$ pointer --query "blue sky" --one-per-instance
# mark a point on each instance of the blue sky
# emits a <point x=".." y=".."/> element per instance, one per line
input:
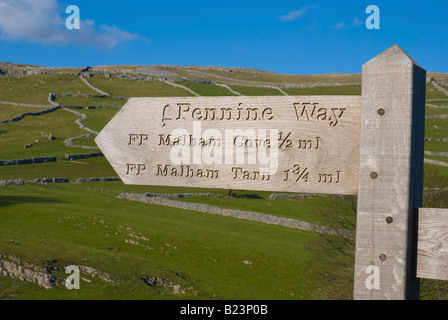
<point x="292" y="37"/>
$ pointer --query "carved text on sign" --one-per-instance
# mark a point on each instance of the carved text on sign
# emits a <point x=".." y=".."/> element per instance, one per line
<point x="186" y="111"/>
<point x="278" y="143"/>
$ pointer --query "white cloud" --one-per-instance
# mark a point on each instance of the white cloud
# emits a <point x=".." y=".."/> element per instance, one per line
<point x="357" y="22"/>
<point x="295" y="15"/>
<point x="41" y="21"/>
<point x="343" y="25"/>
<point x="339" y="25"/>
<point x="105" y="37"/>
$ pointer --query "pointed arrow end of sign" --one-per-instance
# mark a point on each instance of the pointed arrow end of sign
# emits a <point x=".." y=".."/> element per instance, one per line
<point x="112" y="140"/>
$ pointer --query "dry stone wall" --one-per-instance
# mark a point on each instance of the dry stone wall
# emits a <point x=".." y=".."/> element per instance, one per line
<point x="240" y="214"/>
<point x="23" y="115"/>
<point x="27" y="161"/>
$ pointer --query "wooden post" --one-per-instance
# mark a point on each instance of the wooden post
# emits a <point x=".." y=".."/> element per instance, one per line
<point x="390" y="177"/>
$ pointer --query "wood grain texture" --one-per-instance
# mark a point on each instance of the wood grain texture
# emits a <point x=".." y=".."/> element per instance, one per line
<point x="316" y="139"/>
<point x="390" y="175"/>
<point x="432" y="252"/>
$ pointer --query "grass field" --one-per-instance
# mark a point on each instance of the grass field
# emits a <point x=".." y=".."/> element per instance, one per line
<point x="8" y="112"/>
<point x="236" y="76"/>
<point x="443" y="107"/>
<point x="207" y="256"/>
<point x="436" y="128"/>
<point x="256" y="91"/>
<point x="211" y="257"/>
<point x="134" y="88"/>
<point x="325" y="90"/>
<point x="89" y="101"/>
<point x="435" y="146"/>
<point x="35" y="89"/>
<point x="433" y="93"/>
<point x="61" y="124"/>
<point x="205" y="89"/>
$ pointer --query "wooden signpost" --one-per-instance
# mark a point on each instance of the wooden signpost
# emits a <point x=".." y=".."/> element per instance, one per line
<point x="390" y="176"/>
<point x="369" y="145"/>
<point x="288" y="144"/>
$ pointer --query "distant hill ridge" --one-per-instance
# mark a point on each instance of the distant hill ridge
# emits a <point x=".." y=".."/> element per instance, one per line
<point x="204" y="74"/>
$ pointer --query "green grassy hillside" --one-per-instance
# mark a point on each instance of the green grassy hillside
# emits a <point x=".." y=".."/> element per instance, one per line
<point x="197" y="255"/>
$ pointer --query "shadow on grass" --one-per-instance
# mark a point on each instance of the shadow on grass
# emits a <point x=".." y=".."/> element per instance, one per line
<point x="14" y="200"/>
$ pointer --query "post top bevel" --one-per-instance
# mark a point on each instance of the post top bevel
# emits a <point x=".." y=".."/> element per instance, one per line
<point x="395" y="55"/>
